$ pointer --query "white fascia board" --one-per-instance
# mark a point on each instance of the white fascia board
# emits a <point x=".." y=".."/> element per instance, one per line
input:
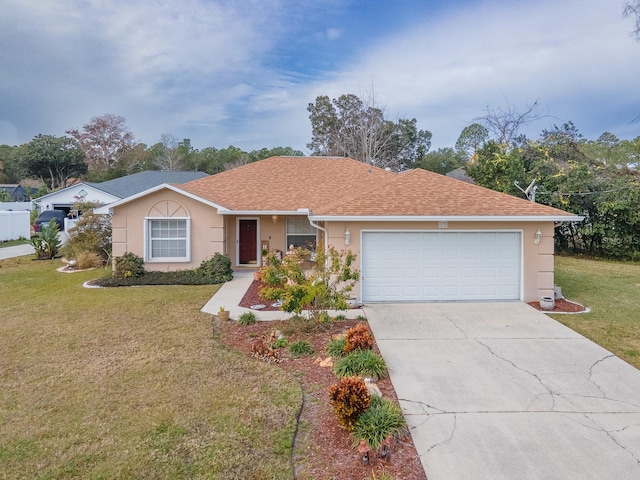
<point x="262" y="212"/>
<point x="447" y="218"/>
<point x="109" y="208"/>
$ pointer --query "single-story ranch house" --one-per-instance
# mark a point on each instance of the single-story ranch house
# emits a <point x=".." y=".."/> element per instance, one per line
<point x="418" y="235"/>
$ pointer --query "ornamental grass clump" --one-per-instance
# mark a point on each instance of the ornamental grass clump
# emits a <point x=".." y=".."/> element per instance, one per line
<point x="365" y="363"/>
<point x="247" y="318"/>
<point x="381" y="420"/>
<point x="336" y="348"/>
<point x="301" y="349"/>
<point x="349" y="398"/>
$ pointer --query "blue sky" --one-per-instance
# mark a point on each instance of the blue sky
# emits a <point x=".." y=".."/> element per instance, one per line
<point x="225" y="72"/>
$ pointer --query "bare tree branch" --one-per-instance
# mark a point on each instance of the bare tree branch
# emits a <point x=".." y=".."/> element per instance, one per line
<point x="505" y="124"/>
<point x="632" y="9"/>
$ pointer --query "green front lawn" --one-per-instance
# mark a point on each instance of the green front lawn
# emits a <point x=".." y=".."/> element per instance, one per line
<point x="612" y="291"/>
<point x="130" y="383"/>
<point x="13" y="243"/>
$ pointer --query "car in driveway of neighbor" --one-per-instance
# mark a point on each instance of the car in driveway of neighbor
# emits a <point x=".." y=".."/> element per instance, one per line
<point x="45" y="217"/>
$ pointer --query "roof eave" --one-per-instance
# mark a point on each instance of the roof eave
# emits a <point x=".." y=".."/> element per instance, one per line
<point x="300" y="211"/>
<point x="448" y="218"/>
<point x="109" y="208"/>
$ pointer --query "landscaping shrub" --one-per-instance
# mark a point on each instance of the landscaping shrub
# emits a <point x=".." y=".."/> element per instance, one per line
<point x="300" y="349"/>
<point x="128" y="265"/>
<point x="349" y="398"/>
<point x="247" y="318"/>
<point x="264" y="348"/>
<point x="47" y="244"/>
<point x="216" y="269"/>
<point x="358" y="338"/>
<point x="281" y="342"/>
<point x="382" y="419"/>
<point x="86" y="260"/>
<point x="336" y="348"/>
<point x="366" y="363"/>
<point x="326" y="286"/>
<point x="92" y="233"/>
<point x="129" y="270"/>
<point x="178" y="277"/>
<point x="297" y="325"/>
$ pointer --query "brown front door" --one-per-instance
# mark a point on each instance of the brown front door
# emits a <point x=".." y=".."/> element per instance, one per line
<point x="248" y="242"/>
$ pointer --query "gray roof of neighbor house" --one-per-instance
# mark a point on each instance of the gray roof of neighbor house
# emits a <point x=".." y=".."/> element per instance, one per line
<point x="124" y="187"/>
<point x="460" y="173"/>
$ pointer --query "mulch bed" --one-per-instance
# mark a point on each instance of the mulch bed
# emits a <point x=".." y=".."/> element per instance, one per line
<point x="562" y="305"/>
<point x="252" y="298"/>
<point x="325" y="450"/>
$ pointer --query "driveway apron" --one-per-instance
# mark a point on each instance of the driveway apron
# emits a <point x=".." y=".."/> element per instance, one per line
<point x="501" y="391"/>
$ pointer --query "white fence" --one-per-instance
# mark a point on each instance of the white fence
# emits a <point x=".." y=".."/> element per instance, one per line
<point x="17" y="206"/>
<point x="15" y="225"/>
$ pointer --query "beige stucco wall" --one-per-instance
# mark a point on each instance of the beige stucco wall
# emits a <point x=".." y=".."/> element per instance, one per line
<point x="207" y="227"/>
<point x="537" y="260"/>
<point x="211" y="233"/>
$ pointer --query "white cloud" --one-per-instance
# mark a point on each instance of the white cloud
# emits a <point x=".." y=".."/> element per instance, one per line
<point x="223" y="72"/>
<point x="446" y="70"/>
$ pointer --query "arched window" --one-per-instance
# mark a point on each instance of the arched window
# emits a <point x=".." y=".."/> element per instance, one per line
<point x="168" y="233"/>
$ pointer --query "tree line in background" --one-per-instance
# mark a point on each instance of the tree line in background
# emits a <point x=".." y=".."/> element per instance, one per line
<point x="105" y="148"/>
<point x="597" y="179"/>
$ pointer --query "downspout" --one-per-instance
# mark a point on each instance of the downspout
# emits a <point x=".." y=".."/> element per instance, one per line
<point x="326" y="234"/>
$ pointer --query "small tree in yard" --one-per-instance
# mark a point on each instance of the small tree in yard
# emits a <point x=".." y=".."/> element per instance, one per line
<point x="92" y="233"/>
<point x="47" y="244"/>
<point x="327" y="285"/>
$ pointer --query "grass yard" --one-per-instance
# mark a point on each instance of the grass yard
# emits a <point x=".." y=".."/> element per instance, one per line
<point x="130" y="383"/>
<point x="13" y="243"/>
<point x="612" y="291"/>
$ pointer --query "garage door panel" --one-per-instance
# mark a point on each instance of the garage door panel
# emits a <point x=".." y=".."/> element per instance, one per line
<point x="470" y="273"/>
<point x="411" y="254"/>
<point x="488" y="254"/>
<point x="428" y="273"/>
<point x="412" y="274"/>
<point x="468" y="254"/>
<point x="450" y="254"/>
<point x="428" y="266"/>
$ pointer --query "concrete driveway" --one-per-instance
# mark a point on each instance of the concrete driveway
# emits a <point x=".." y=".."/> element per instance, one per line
<point x="16" y="251"/>
<point x="501" y="391"/>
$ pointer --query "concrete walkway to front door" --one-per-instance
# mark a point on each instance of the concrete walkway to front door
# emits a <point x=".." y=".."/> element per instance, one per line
<point x="501" y="391"/>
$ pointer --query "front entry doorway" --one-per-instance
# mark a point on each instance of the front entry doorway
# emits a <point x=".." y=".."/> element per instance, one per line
<point x="247" y="244"/>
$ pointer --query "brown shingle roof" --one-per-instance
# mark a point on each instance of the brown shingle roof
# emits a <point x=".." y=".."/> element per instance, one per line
<point x="336" y="186"/>
<point x="423" y="193"/>
<point x="287" y="183"/>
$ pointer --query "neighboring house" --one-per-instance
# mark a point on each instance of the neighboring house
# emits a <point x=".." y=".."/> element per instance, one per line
<point x="418" y="235"/>
<point x="110" y="191"/>
<point x="17" y="192"/>
<point x="460" y="173"/>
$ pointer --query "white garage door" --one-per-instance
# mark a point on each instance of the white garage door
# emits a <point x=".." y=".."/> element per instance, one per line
<point x="432" y="266"/>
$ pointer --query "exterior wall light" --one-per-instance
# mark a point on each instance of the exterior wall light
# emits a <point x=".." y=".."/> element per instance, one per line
<point x="274" y="218"/>
<point x="347" y="237"/>
<point x="538" y="237"/>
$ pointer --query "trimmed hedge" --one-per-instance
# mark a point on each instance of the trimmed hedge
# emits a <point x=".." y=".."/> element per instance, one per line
<point x="215" y="270"/>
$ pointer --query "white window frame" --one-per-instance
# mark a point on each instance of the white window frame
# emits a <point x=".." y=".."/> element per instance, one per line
<point x="147" y="241"/>
<point x="287" y="234"/>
